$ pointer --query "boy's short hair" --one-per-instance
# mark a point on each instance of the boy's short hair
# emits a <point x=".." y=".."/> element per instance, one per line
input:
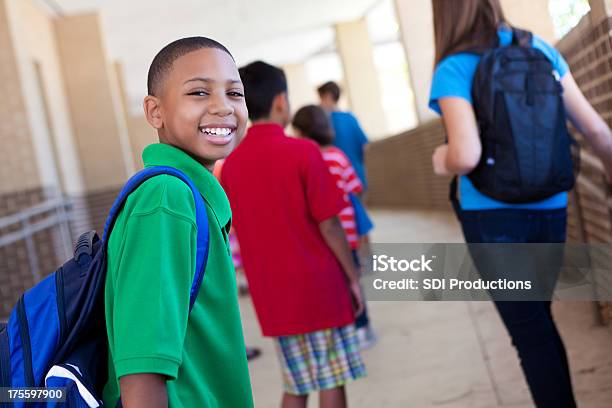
<point x="262" y="83"/>
<point x="162" y="63"/>
<point x="313" y="122"/>
<point x="330" y="88"/>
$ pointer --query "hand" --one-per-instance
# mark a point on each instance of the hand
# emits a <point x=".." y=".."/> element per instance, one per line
<point x="357" y="297"/>
<point x="439" y="160"/>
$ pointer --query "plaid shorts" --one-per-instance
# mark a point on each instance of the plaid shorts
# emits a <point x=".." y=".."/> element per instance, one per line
<point x="319" y="360"/>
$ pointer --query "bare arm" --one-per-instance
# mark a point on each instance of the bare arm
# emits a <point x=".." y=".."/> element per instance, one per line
<point x="143" y="391"/>
<point x="462" y="152"/>
<point x="334" y="236"/>
<point x="588" y="122"/>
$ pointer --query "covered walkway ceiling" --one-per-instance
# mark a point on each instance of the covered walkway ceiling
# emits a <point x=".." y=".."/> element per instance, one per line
<point x="279" y="31"/>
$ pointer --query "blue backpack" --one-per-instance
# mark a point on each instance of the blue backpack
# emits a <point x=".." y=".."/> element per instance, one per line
<point x="526" y="147"/>
<point x="56" y="334"/>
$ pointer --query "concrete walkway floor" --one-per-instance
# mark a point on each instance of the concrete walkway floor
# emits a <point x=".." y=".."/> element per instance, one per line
<point x="446" y="354"/>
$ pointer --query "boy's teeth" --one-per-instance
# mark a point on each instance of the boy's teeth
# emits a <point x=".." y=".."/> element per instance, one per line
<point x="217" y="131"/>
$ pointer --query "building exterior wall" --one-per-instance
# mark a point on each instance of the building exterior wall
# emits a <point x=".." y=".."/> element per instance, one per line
<point x="141" y="134"/>
<point x="588" y="50"/>
<point x="29" y="80"/>
<point x="300" y="91"/>
<point x="19" y="170"/>
<point x="44" y="92"/>
<point x="416" y="28"/>
<point x="400" y="173"/>
<point x="60" y="138"/>
<point x="98" y="124"/>
<point x="360" y="78"/>
<point x="16" y="272"/>
<point x="532" y="15"/>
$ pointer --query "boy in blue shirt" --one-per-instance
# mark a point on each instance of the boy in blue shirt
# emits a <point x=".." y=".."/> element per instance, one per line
<point x="348" y="135"/>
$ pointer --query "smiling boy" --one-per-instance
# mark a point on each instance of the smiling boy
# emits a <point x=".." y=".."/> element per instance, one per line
<point x="160" y="354"/>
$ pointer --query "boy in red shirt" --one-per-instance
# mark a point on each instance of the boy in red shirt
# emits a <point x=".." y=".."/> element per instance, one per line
<point x="301" y="274"/>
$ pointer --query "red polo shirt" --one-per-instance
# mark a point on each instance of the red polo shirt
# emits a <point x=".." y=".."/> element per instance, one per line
<point x="280" y="190"/>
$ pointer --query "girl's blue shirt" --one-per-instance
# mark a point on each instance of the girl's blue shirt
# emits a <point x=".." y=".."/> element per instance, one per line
<point x="453" y="77"/>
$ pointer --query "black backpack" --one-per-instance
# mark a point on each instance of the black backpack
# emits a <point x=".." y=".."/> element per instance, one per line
<point x="526" y="147"/>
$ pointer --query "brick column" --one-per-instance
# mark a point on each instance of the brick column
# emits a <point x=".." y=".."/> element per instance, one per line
<point x="532" y="15"/>
<point x="600" y="10"/>
<point x="95" y="103"/>
<point x="360" y="76"/>
<point x="416" y="25"/>
<point x="301" y="92"/>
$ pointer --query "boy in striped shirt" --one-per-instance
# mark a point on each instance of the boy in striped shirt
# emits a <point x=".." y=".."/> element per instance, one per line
<point x="348" y="182"/>
<point x="311" y="122"/>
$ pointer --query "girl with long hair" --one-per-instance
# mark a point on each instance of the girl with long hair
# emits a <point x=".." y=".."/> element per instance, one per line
<point x="461" y="27"/>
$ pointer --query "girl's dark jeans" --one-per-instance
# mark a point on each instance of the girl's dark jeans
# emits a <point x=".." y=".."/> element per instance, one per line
<point x="363" y="320"/>
<point x="529" y="323"/>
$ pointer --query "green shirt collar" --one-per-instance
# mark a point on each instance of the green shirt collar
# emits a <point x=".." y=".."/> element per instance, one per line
<point x="161" y="154"/>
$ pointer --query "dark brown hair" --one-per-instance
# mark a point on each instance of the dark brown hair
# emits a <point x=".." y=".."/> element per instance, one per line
<point x="313" y="122"/>
<point x="330" y="88"/>
<point x="262" y="83"/>
<point x="459" y="25"/>
<point x="162" y="63"/>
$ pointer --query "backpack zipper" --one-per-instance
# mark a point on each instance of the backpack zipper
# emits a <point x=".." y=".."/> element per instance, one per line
<point x="61" y="309"/>
<point x="24" y="331"/>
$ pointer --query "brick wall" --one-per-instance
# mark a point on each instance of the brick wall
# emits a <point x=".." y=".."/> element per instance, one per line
<point x="588" y="51"/>
<point x="400" y="174"/>
<point x="18" y="169"/>
<point x="16" y="274"/>
<point x="98" y="204"/>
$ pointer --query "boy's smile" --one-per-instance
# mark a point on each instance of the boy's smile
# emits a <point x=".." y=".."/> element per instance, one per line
<point x="201" y="108"/>
<point x="218" y="134"/>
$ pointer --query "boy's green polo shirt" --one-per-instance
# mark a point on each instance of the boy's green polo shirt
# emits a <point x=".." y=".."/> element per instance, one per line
<point x="151" y="258"/>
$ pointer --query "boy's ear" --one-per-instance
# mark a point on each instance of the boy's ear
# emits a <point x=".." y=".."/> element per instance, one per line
<point x="152" y="111"/>
<point x="280" y="105"/>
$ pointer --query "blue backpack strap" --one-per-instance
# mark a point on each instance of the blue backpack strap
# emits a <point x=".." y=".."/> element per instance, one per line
<point x="201" y="218"/>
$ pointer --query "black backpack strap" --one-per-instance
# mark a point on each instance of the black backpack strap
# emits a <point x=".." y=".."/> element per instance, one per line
<point x="453" y="196"/>
<point x="521" y="38"/>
